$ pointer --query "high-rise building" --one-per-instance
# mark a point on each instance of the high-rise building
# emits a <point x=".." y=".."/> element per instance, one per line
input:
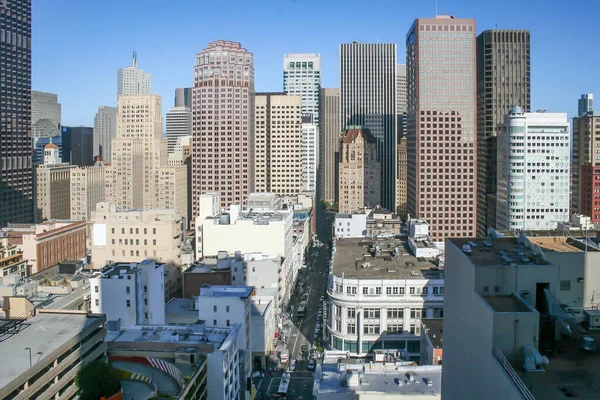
<point x="309" y="152"/>
<point x="533" y="170"/>
<point x="45" y="114"/>
<point x="78" y="145"/>
<point x="173" y="189"/>
<point x="53" y="186"/>
<point x="503" y="81"/>
<point x="359" y="170"/>
<point x="179" y="123"/>
<point x="585" y="167"/>
<point x="16" y="174"/>
<point x="183" y="97"/>
<point x="105" y="130"/>
<point x="585" y="104"/>
<point x="368" y="98"/>
<point x="222" y="126"/>
<point x="330" y="143"/>
<point x="401" y="181"/>
<point x="401" y="99"/>
<point x="277" y="143"/>
<point x="133" y="80"/>
<point x="442" y="125"/>
<point x="88" y="188"/>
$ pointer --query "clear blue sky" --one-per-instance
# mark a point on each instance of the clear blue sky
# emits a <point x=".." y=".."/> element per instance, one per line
<point x="78" y="45"/>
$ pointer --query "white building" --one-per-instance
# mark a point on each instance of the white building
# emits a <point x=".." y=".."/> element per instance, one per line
<point x="178" y="123"/>
<point x="105" y="130"/>
<point x="130" y="293"/>
<point x="350" y="225"/>
<point x="419" y="241"/>
<point x="309" y="152"/>
<point x="263" y="325"/>
<point x="512" y="302"/>
<point x="133" y="80"/>
<point x="533" y="170"/>
<point x="378" y="295"/>
<point x="222" y="306"/>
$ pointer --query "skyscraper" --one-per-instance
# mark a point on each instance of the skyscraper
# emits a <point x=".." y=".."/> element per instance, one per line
<point x="401" y="185"/>
<point x="401" y="99"/>
<point x="78" y="145"/>
<point x="105" y="130"/>
<point x="222" y="123"/>
<point x="585" y="104"/>
<point x="503" y="81"/>
<point x="368" y="98"/>
<point x="442" y="126"/>
<point x="278" y="143"/>
<point x="133" y="80"/>
<point x="179" y="123"/>
<point x="302" y="77"/>
<point x="330" y="143"/>
<point x="16" y="174"/>
<point x="45" y="114"/>
<point x="183" y="97"/>
<point x="586" y="135"/>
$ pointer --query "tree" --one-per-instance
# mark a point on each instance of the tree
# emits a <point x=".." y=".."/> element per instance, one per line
<point x="98" y="379"/>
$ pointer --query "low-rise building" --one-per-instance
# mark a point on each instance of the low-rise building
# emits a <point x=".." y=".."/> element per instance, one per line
<point x="350" y="225"/>
<point x="41" y="356"/>
<point x="215" y="271"/>
<point x="419" y="241"/>
<point x="432" y="339"/>
<point x="263" y="326"/>
<point x="11" y="259"/>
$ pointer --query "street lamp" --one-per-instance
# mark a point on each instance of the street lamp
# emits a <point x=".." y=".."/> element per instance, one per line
<point x="29" y="348"/>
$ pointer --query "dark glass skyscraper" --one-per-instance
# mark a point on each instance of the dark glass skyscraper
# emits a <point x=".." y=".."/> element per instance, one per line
<point x="78" y="143"/>
<point x="16" y="174"/>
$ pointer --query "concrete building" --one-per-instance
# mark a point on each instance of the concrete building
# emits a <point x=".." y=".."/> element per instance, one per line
<point x="105" y="130"/>
<point x="181" y="153"/>
<point x="263" y="327"/>
<point x="533" y="170"/>
<point x="78" y="145"/>
<point x="173" y="190"/>
<point x="17" y="198"/>
<point x="586" y="130"/>
<point x="359" y="171"/>
<point x="401" y="97"/>
<point x="48" y="365"/>
<point x="11" y="258"/>
<point x="350" y="225"/>
<point x="432" y="333"/>
<point x="131" y="235"/>
<point x="278" y="143"/>
<point x="368" y="98"/>
<point x="45" y="114"/>
<point x="342" y="378"/>
<point x="130" y="293"/>
<point x="402" y="175"/>
<point x="179" y="123"/>
<point x="330" y="143"/>
<point x="133" y="81"/>
<point x="309" y="152"/>
<point x="222" y="152"/>
<point x="225" y="306"/>
<point x="217" y="271"/>
<point x="53" y="186"/>
<point x="585" y="104"/>
<point x="183" y="97"/>
<point x="379" y="292"/>
<point x="434" y="98"/>
<point x="503" y="81"/>
<point x="522" y="299"/>
<point x="87" y="189"/>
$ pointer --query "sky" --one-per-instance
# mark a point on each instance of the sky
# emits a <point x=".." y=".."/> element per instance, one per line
<point x="78" y="45"/>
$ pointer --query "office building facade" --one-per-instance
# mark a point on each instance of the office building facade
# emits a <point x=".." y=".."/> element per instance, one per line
<point x="16" y="173"/>
<point x="45" y="114"/>
<point x="585" y="104"/>
<point x="503" y="81"/>
<point x="586" y="134"/>
<point x="442" y="125"/>
<point x="183" y="97"/>
<point x="105" y="130"/>
<point x="88" y="188"/>
<point x="401" y="99"/>
<point x="53" y="186"/>
<point x="78" y="145"/>
<point x="178" y="124"/>
<point x="401" y="187"/>
<point x="133" y="80"/>
<point x="330" y="143"/>
<point x="223" y="126"/>
<point x="368" y="99"/>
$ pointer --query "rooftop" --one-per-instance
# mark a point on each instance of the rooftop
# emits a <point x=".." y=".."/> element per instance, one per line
<point x="507" y="304"/>
<point x="239" y="291"/>
<point x="435" y="331"/>
<point x="353" y="258"/>
<point x="44" y="333"/>
<point x="182" y="308"/>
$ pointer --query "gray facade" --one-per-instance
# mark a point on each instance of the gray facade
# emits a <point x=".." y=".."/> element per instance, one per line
<point x="183" y="97"/>
<point x="503" y="81"/>
<point x="330" y="143"/>
<point x="45" y="114"/>
<point x="105" y="130"/>
<point x="368" y="98"/>
<point x="16" y="174"/>
<point x="585" y="104"/>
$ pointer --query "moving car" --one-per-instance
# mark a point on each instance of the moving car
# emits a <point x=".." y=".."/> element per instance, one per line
<point x="292" y="366"/>
<point x="311" y="365"/>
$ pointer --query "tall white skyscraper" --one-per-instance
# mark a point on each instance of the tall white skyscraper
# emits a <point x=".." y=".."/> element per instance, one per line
<point x="105" y="130"/>
<point x="133" y="80"/>
<point x="368" y="99"/>
<point x="179" y="123"/>
<point x="302" y="77"/>
<point x="533" y="170"/>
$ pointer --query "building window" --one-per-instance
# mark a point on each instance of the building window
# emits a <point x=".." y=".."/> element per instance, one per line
<point x="128" y="303"/>
<point x="127" y="290"/>
<point x="439" y="290"/>
<point x="145" y="231"/>
<point x="214" y="322"/>
<point x="96" y="289"/>
<point x="146" y="315"/>
<point x="438" y="313"/>
<point x="395" y="313"/>
<point x="351" y="312"/>
<point x="97" y="303"/>
<point x="395" y="328"/>
<point x="214" y="308"/>
<point x="154" y="242"/>
<point x="378" y="290"/>
<point x="228" y="323"/>
<point x="372" y="313"/>
<point x="411" y="290"/>
<point x="145" y="302"/>
<point x="565" y="285"/>
<point x="338" y="310"/>
<point x="226" y="308"/>
<point x="371" y="329"/>
<point x="425" y="291"/>
<point x="417" y="312"/>
<point x="338" y="325"/>
<point x="154" y="231"/>
<point x="145" y="289"/>
<point x="365" y="290"/>
<point x="351" y="289"/>
<point x="351" y="328"/>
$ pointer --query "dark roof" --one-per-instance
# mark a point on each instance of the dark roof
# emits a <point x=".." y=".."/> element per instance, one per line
<point x="352" y="133"/>
<point x="435" y="331"/>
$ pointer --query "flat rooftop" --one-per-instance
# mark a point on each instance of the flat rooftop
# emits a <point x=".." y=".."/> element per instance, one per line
<point x="352" y="253"/>
<point x="487" y="252"/>
<point x="571" y="373"/>
<point x="239" y="291"/>
<point x="182" y="308"/>
<point x="379" y="379"/>
<point x="508" y="303"/>
<point x="44" y="333"/>
<point x="435" y="331"/>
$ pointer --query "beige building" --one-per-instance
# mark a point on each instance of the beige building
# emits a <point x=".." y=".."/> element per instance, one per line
<point x="359" y="172"/>
<point x="53" y="186"/>
<point x="277" y="143"/>
<point x="134" y="235"/>
<point x="330" y="143"/>
<point x="11" y="259"/>
<point x="183" y="151"/>
<point x="401" y="178"/>
<point x="586" y="142"/>
<point x="173" y="184"/>
<point x="88" y="186"/>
